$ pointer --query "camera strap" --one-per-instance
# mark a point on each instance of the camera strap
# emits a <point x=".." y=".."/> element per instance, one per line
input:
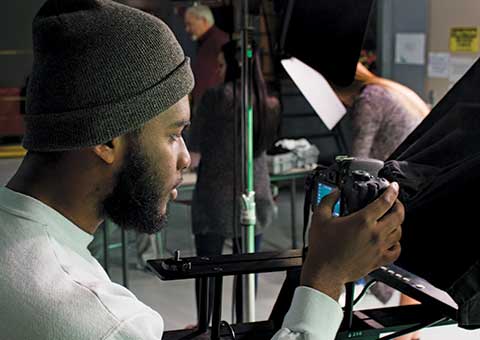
<point x="309" y="183"/>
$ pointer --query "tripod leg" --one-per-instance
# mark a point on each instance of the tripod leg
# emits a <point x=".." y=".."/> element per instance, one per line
<point x="217" y="308"/>
<point x="203" y="316"/>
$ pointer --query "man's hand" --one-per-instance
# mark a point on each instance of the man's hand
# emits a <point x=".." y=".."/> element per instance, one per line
<point x="344" y="249"/>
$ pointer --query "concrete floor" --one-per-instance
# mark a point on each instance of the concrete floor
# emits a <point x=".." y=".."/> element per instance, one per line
<point x="175" y="300"/>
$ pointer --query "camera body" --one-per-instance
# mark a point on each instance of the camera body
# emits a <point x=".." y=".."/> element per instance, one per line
<point x="356" y="178"/>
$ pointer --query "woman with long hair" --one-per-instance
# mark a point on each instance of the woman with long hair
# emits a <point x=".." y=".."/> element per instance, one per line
<point x="214" y="140"/>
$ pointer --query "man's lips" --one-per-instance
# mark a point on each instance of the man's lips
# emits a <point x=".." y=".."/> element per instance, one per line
<point x="174" y="192"/>
<point x="179" y="181"/>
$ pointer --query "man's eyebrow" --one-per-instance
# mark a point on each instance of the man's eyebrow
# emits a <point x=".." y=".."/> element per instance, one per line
<point x="180" y="123"/>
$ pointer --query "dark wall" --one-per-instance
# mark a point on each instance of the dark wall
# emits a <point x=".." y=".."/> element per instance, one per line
<point x="16" y="40"/>
<point x="16" y="37"/>
<point x="401" y="16"/>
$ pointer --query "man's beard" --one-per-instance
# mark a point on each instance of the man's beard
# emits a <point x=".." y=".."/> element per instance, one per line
<point x="135" y="200"/>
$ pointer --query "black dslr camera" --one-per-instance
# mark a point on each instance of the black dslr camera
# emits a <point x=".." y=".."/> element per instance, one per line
<point x="356" y="179"/>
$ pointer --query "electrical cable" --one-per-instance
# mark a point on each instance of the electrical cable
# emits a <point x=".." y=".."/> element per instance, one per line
<point x="236" y="146"/>
<point x="412" y="329"/>
<point x="364" y="291"/>
<point x="306" y="213"/>
<point x="236" y="234"/>
<point x="229" y="327"/>
<point x="234" y="301"/>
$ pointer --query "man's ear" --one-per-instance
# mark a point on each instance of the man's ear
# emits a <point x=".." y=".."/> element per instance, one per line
<point x="108" y="151"/>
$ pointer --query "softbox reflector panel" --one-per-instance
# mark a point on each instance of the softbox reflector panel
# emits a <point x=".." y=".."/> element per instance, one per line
<point x="327" y="35"/>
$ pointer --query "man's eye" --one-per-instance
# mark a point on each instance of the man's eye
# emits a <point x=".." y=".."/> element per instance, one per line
<point x="175" y="137"/>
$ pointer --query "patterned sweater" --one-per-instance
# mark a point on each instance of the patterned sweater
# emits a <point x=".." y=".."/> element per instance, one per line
<point x="380" y="123"/>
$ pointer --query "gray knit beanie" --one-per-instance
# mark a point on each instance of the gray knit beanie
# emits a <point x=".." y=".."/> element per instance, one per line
<point x="101" y="69"/>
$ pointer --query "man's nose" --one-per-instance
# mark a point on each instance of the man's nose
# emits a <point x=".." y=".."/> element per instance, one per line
<point x="184" y="159"/>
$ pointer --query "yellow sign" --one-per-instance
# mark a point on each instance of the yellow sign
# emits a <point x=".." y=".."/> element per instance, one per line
<point x="464" y="39"/>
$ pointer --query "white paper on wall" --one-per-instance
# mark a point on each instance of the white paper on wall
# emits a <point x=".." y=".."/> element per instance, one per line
<point x="458" y="67"/>
<point x="410" y="48"/>
<point x="438" y="65"/>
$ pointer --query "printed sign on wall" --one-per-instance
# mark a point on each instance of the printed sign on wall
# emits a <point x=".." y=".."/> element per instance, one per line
<point x="464" y="39"/>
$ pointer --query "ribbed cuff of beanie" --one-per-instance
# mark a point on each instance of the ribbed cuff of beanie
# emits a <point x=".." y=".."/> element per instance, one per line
<point x="96" y="125"/>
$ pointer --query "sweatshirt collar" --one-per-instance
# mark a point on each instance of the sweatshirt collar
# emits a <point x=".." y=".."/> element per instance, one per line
<point x="58" y="226"/>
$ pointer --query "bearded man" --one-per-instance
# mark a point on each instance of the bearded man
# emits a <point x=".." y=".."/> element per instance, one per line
<point x="107" y="103"/>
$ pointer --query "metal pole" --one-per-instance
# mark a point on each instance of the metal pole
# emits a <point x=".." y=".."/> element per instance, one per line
<point x="385" y="37"/>
<point x="217" y="308"/>
<point x="248" y="218"/>
<point x="293" y="211"/>
<point x="203" y="317"/>
<point x="349" y="298"/>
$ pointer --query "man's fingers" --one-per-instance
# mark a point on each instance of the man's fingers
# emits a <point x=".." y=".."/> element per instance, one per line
<point x="391" y="254"/>
<point x="395" y="214"/>
<point x="393" y="238"/>
<point x="394" y="218"/>
<point x="325" y="208"/>
<point x="384" y="202"/>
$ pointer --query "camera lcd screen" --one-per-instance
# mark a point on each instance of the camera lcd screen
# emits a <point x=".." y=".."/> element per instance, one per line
<point x="322" y="191"/>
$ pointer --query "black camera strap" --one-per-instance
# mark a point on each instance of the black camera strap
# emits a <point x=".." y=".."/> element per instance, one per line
<point x="309" y="184"/>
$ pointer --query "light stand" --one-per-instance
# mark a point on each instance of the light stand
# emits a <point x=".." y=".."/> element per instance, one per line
<point x="247" y="212"/>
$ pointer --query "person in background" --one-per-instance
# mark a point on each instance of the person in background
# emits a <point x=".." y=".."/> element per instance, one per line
<point x="200" y="24"/>
<point x="213" y="133"/>
<point x="107" y="103"/>
<point x="383" y="113"/>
